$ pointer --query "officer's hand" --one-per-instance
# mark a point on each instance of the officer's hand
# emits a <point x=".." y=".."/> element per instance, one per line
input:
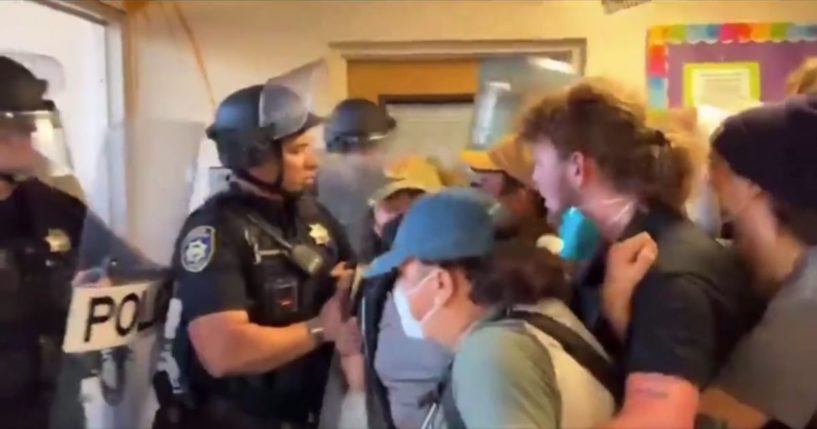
<point x="344" y="276"/>
<point x="332" y="315"/>
<point x="350" y="339"/>
<point x="344" y="279"/>
<point x="627" y="263"/>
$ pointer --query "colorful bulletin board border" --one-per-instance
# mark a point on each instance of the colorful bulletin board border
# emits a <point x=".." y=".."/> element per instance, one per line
<point x="661" y="39"/>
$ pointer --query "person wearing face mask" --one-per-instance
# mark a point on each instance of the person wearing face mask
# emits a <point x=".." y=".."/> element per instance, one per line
<point x="692" y="128"/>
<point x="395" y="369"/>
<point x="484" y="303"/>
<point x="762" y="170"/>
<point x="594" y="151"/>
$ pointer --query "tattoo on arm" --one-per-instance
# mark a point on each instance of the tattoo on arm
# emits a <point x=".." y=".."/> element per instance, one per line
<point x="651" y="388"/>
<point x="650" y="392"/>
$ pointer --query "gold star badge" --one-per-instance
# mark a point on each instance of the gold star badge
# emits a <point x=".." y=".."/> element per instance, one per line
<point x="319" y="233"/>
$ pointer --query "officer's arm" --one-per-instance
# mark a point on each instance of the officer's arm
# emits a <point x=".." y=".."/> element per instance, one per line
<point x="228" y="344"/>
<point x="211" y="285"/>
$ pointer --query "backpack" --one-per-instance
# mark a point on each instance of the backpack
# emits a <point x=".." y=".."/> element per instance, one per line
<point x="572" y="343"/>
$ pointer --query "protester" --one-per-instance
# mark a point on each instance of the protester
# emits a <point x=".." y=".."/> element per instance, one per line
<point x="762" y="169"/>
<point x="803" y="80"/>
<point x="505" y="172"/>
<point x="692" y="129"/>
<point x="409" y="178"/>
<point x="456" y="288"/>
<point x="593" y="151"/>
<point x="392" y="369"/>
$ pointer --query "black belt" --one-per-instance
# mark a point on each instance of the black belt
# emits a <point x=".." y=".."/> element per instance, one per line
<point x="220" y="412"/>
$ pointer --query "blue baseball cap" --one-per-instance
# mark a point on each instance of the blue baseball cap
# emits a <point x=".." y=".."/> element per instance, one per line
<point x="449" y="225"/>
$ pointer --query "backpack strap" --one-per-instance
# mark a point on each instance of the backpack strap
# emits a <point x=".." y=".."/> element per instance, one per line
<point x="442" y="400"/>
<point x="574" y="345"/>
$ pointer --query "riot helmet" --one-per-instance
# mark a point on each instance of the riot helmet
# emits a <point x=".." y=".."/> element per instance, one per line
<point x="252" y="124"/>
<point x="356" y="124"/>
<point x="32" y="142"/>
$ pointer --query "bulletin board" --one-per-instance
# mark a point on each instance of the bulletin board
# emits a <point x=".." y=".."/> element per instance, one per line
<point x="724" y="64"/>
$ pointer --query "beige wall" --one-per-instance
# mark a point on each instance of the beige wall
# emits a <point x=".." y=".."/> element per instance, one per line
<point x="247" y="41"/>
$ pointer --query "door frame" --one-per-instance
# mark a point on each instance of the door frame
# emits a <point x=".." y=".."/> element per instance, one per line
<point x="341" y="52"/>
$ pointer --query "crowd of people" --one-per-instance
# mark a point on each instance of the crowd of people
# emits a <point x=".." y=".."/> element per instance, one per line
<point x="632" y="315"/>
<point x="599" y="268"/>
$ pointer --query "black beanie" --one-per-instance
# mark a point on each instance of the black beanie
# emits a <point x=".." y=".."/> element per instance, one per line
<point x="775" y="146"/>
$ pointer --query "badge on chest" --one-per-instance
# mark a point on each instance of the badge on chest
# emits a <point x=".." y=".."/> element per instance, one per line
<point x="319" y="234"/>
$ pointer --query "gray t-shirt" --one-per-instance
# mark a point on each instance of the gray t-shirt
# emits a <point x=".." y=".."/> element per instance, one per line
<point x="774" y="368"/>
<point x="409" y="368"/>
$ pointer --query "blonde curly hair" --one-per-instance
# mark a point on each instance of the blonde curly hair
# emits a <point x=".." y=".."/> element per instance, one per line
<point x="803" y="80"/>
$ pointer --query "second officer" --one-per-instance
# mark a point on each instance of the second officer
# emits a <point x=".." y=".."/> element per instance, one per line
<point x="259" y="272"/>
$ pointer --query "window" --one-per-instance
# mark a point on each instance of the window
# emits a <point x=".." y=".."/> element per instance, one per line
<point x="437" y="129"/>
<point x="87" y="98"/>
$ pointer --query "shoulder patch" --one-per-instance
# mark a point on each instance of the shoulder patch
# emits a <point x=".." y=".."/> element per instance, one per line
<point x="198" y="248"/>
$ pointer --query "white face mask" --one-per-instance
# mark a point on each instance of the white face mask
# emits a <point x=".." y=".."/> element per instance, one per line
<point x="704" y="211"/>
<point x="411" y="326"/>
<point x="627" y="208"/>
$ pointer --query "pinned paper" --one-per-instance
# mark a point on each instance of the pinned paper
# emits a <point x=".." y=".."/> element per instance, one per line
<point x="724" y="85"/>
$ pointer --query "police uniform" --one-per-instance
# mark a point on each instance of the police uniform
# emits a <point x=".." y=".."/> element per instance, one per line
<point x="267" y="253"/>
<point x="40" y="229"/>
<point x="227" y="260"/>
<point x="35" y="278"/>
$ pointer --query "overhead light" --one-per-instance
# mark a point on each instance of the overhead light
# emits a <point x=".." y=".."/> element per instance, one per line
<point x="505" y="86"/>
<point x="553" y="65"/>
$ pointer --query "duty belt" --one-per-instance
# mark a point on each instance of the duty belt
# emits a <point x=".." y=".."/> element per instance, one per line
<point x="223" y="411"/>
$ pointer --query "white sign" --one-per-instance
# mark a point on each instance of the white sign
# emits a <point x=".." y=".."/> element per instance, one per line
<point x="105" y="317"/>
<point x="726" y="86"/>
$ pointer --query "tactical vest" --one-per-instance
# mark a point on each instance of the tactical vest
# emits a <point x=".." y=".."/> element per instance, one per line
<point x="35" y="292"/>
<point x="282" y="293"/>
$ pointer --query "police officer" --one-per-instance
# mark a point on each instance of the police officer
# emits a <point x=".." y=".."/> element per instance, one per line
<point x="39" y="231"/>
<point x="355" y="135"/>
<point x="256" y="271"/>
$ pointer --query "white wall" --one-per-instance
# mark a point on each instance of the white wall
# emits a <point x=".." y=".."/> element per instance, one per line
<point x="244" y="42"/>
<point x="79" y="46"/>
